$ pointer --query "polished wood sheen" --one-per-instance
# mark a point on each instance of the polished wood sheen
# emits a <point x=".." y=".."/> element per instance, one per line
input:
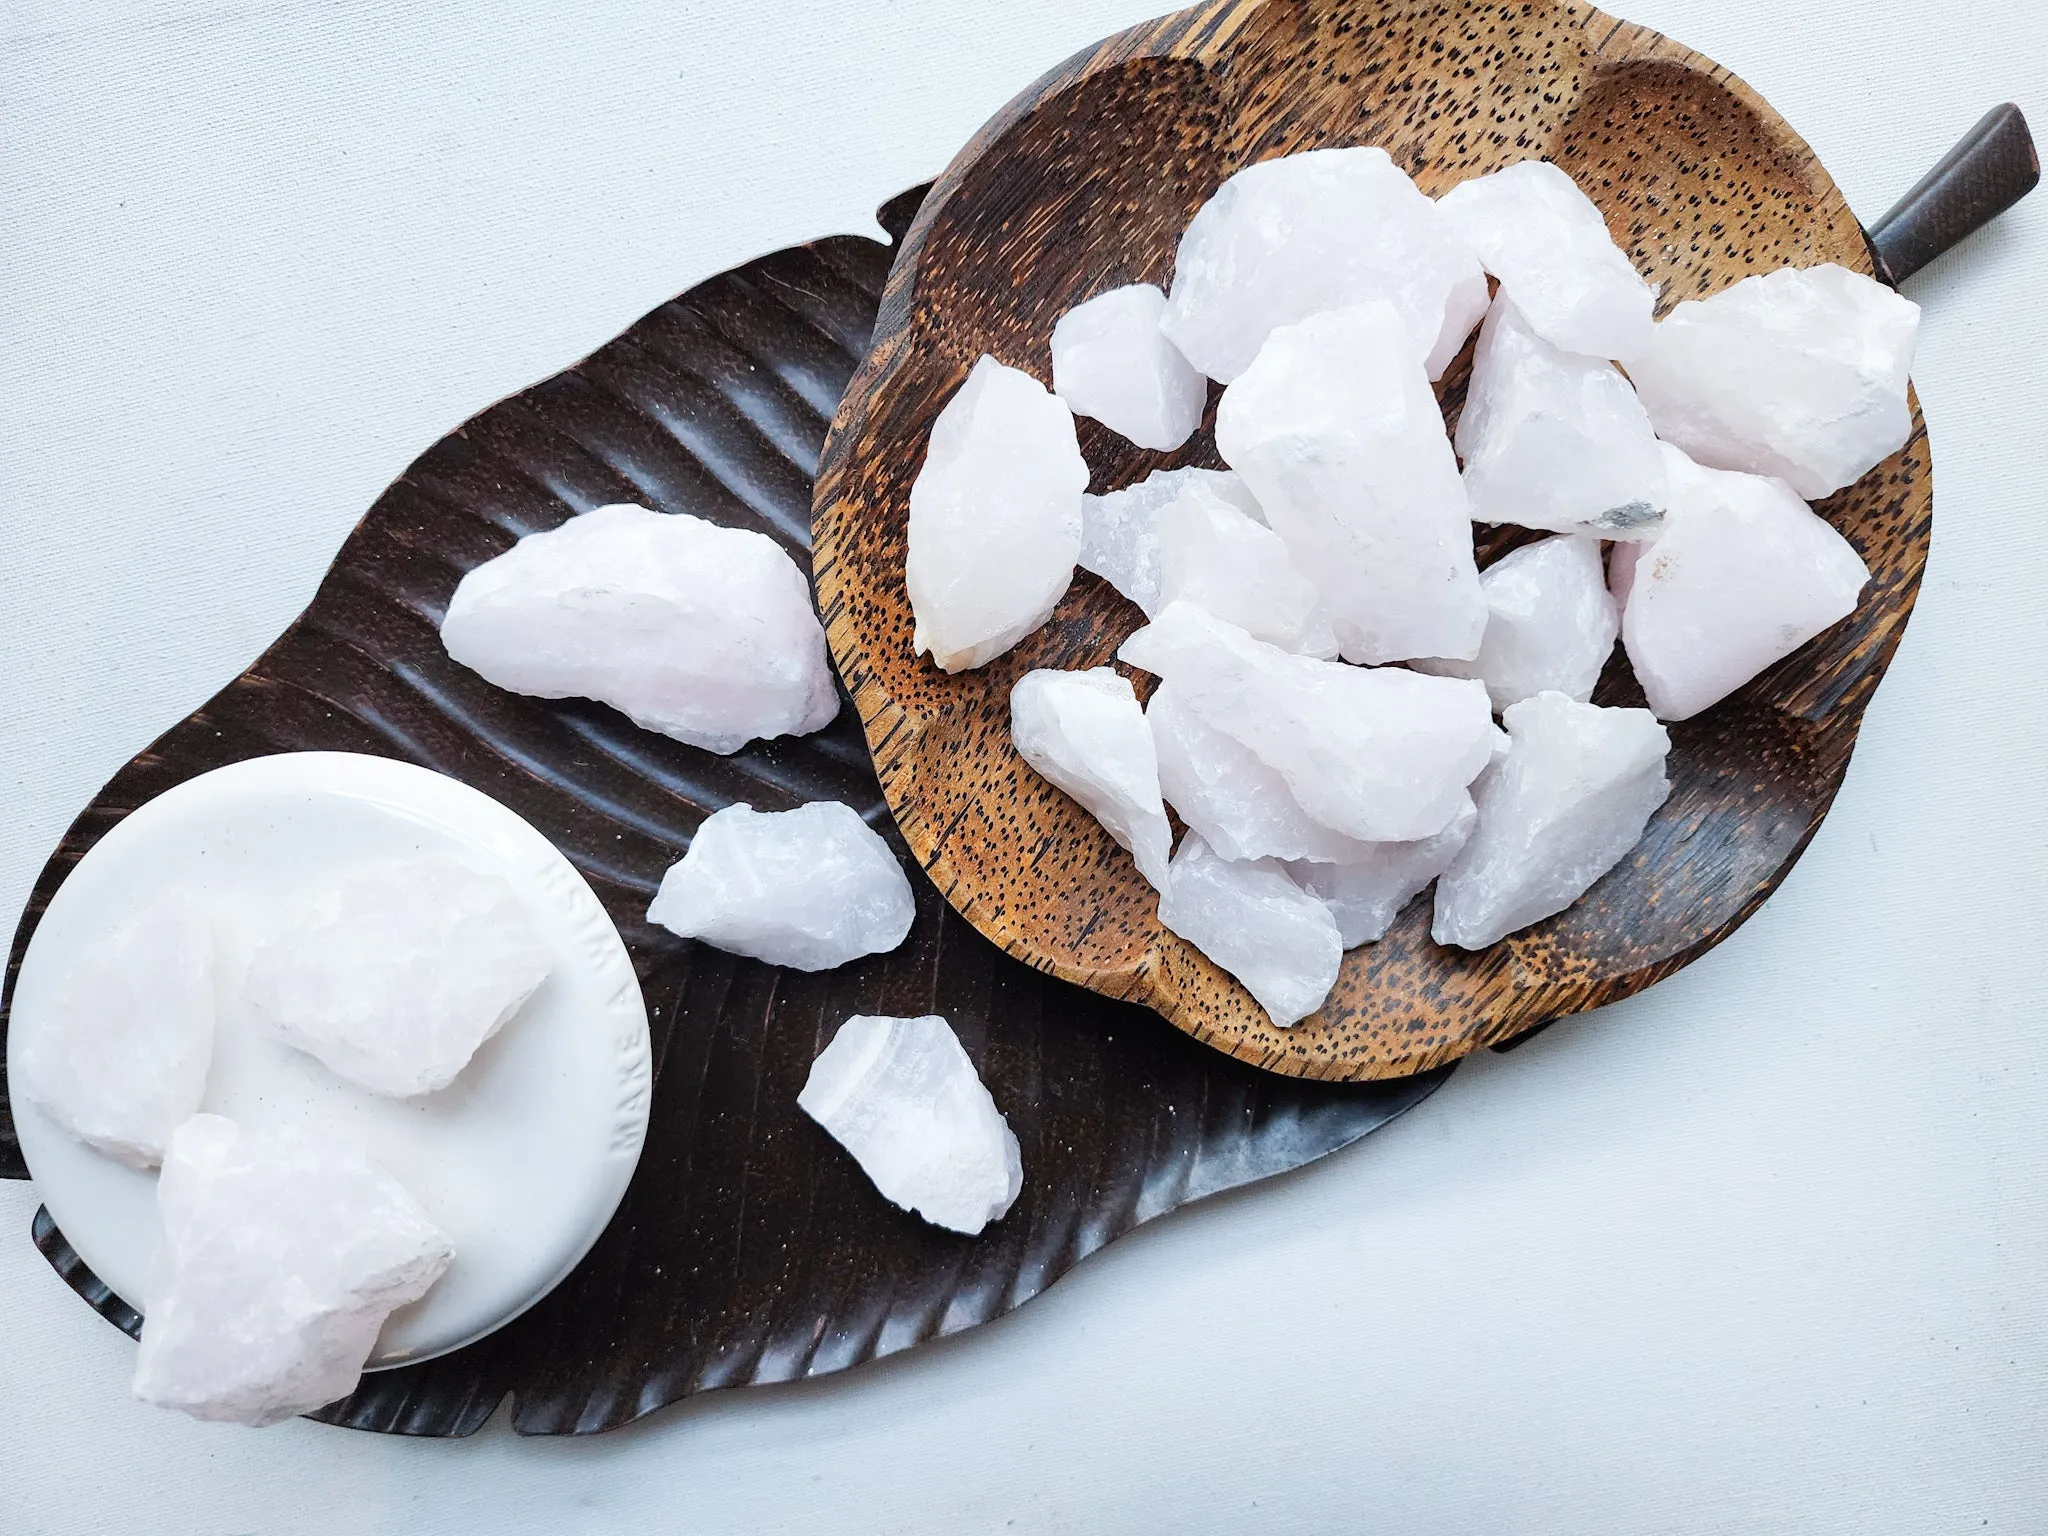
<point x="1085" y="182"/>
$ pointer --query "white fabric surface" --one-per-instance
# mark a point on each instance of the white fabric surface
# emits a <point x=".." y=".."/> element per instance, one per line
<point x="1761" y="1250"/>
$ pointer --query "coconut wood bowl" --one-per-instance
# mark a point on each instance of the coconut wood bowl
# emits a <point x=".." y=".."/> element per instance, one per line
<point x="1085" y="182"/>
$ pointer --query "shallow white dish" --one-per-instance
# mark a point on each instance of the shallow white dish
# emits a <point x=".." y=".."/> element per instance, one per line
<point x="522" y="1160"/>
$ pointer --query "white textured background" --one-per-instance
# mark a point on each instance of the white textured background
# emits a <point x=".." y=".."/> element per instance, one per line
<point x="1765" y="1249"/>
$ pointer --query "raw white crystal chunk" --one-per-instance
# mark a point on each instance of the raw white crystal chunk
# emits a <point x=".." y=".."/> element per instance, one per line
<point x="1243" y="809"/>
<point x="1744" y="574"/>
<point x="1379" y="755"/>
<point x="1120" y="530"/>
<point x="1366" y="895"/>
<point x="808" y="888"/>
<point x="1293" y="237"/>
<point x="905" y="1100"/>
<point x="284" y="1251"/>
<point x="120" y="1060"/>
<point x="1550" y="623"/>
<point x="1339" y="436"/>
<point x="1212" y="555"/>
<point x="1571" y="798"/>
<point x="995" y="517"/>
<point x="1085" y="732"/>
<point x="1255" y="922"/>
<point x="393" y="971"/>
<point x="1554" y="440"/>
<point x="1111" y="361"/>
<point x="703" y="633"/>
<point x="1546" y="242"/>
<point x="1798" y="373"/>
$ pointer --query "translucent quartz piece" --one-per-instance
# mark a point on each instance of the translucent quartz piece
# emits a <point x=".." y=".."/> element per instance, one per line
<point x="1214" y="556"/>
<point x="1242" y="808"/>
<point x="121" y="1060"/>
<point x="1550" y="624"/>
<point x="1111" y="361"/>
<point x="808" y="888"/>
<point x="392" y="972"/>
<point x="1621" y="568"/>
<point x="1381" y="755"/>
<point x="1744" y="573"/>
<point x="1120" y="530"/>
<point x="284" y="1250"/>
<point x="995" y="517"/>
<point x="1564" y="806"/>
<point x="703" y="633"/>
<point x="1339" y="436"/>
<point x="1553" y="440"/>
<point x="1289" y="238"/>
<point x="1798" y="373"/>
<point x="905" y="1100"/>
<point x="1549" y="246"/>
<point x="1085" y="733"/>
<point x="1255" y="922"/>
<point x="1367" y="894"/>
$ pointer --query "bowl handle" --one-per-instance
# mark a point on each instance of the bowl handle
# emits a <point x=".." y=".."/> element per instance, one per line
<point x="1992" y="167"/>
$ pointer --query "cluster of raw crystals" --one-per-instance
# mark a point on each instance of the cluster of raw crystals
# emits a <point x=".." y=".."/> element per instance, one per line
<point x="1329" y="655"/>
<point x="284" y="1246"/>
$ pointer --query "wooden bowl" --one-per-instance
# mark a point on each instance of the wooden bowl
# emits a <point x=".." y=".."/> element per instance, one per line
<point x="1085" y="182"/>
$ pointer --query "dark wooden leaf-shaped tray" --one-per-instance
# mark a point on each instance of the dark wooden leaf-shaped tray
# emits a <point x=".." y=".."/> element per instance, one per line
<point x="749" y="1249"/>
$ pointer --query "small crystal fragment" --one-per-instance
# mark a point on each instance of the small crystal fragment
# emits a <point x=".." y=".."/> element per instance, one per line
<point x="1621" y="568"/>
<point x="808" y="888"/>
<point x="1111" y="361"/>
<point x="1255" y="922"/>
<point x="700" y="632"/>
<point x="1085" y="733"/>
<point x="1120" y="530"/>
<point x="120" y="1061"/>
<point x="393" y="971"/>
<point x="284" y="1251"/>
<point x="1550" y="623"/>
<point x="905" y="1100"/>
<point x="1571" y="798"/>
<point x="1293" y="237"/>
<point x="1339" y="436"/>
<point x="1243" y="809"/>
<point x="995" y="517"/>
<point x="1553" y="440"/>
<point x="1214" y="556"/>
<point x="1799" y="373"/>
<point x="1380" y="755"/>
<point x="1549" y="246"/>
<point x="1367" y="894"/>
<point x="1743" y="574"/>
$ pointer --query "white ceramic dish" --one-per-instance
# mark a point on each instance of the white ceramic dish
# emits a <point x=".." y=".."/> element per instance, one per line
<point x="522" y="1160"/>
